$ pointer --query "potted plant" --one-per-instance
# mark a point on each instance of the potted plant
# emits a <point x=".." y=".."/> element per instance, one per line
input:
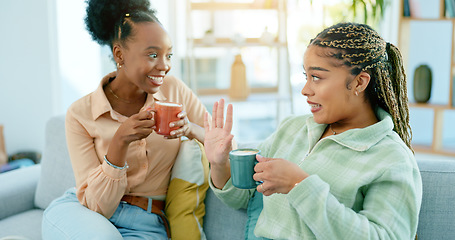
<point x="373" y="10"/>
<point x="363" y="11"/>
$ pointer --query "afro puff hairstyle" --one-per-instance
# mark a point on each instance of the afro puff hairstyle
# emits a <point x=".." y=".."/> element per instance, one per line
<point x="105" y="19"/>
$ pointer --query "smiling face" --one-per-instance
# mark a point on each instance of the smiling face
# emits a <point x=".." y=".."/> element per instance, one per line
<point x="146" y="57"/>
<point x="330" y="87"/>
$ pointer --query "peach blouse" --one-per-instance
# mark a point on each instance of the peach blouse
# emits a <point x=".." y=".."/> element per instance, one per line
<point x="90" y="125"/>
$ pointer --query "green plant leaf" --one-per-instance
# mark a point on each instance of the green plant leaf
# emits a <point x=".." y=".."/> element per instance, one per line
<point x="353" y="7"/>
<point x="365" y="11"/>
<point x="374" y="11"/>
<point x="371" y="9"/>
<point x="381" y="4"/>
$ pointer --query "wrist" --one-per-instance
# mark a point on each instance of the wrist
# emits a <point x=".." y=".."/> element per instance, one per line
<point x="220" y="165"/>
<point x="220" y="176"/>
<point x="113" y="165"/>
<point x="189" y="133"/>
<point x="120" y="141"/>
<point x="298" y="181"/>
<point x="195" y="132"/>
<point x="116" y="153"/>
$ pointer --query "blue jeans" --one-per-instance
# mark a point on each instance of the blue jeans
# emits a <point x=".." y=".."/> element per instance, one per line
<point x="66" y="218"/>
<point x="254" y="208"/>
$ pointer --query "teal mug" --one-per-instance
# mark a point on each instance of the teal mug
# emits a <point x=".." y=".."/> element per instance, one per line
<point x="242" y="167"/>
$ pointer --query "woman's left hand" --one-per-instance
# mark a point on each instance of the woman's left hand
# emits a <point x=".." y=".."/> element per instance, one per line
<point x="184" y="126"/>
<point x="277" y="175"/>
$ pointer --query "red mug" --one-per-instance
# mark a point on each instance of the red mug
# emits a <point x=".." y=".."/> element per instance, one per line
<point x="165" y="113"/>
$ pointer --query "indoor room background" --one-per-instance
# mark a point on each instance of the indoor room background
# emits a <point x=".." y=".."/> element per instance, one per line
<point x="48" y="60"/>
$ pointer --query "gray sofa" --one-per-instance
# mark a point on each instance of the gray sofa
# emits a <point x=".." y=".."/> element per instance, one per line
<point x="25" y="193"/>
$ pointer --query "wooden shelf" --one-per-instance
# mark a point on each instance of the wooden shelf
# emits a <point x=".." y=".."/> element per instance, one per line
<point x="438" y="125"/>
<point x="224" y="91"/>
<point x="227" y="42"/>
<point x="223" y="6"/>
<point x="437" y="144"/>
<point x="275" y="10"/>
<point x="429" y="149"/>
<point x="432" y="106"/>
<point x="426" y="19"/>
<point x="253" y="97"/>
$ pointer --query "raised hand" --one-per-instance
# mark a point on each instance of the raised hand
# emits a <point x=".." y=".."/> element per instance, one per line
<point x="218" y="142"/>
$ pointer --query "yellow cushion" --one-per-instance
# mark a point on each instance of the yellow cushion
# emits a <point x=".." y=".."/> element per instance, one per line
<point x="185" y="206"/>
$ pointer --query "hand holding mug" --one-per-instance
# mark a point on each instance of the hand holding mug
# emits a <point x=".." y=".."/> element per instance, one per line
<point x="170" y="119"/>
<point x="277" y="175"/>
<point x="136" y="127"/>
<point x="183" y="126"/>
<point x="242" y="167"/>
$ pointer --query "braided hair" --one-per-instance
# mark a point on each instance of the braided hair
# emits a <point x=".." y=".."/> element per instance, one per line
<point x="360" y="48"/>
<point x="112" y="21"/>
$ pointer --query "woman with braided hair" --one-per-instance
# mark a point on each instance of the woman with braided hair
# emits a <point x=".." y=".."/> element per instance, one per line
<point x="347" y="171"/>
<point x="122" y="167"/>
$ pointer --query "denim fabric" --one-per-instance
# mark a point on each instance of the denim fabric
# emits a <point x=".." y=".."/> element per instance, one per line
<point x="66" y="218"/>
<point x="255" y="206"/>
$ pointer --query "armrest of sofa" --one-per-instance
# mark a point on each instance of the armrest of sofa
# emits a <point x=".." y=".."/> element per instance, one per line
<point x="437" y="214"/>
<point x="17" y="190"/>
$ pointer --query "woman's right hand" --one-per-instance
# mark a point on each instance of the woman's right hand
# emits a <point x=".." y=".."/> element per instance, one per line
<point x="136" y="127"/>
<point x="218" y="143"/>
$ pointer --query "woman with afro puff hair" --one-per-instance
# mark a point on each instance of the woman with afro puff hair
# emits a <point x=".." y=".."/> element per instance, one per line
<point x="122" y="166"/>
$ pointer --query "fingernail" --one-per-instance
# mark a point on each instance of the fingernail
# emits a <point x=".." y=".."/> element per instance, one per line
<point x="171" y="125"/>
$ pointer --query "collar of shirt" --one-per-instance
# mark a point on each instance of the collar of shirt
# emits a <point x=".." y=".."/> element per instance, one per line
<point x="358" y="139"/>
<point x="100" y="104"/>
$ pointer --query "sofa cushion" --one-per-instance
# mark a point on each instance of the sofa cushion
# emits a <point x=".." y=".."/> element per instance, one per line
<point x="17" y="189"/>
<point x="437" y="214"/>
<point x="26" y="224"/>
<point x="56" y="171"/>
<point x="185" y="206"/>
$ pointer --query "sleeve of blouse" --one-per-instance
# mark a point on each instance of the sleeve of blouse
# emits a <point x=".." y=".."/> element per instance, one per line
<point x="193" y="106"/>
<point x="390" y="208"/>
<point x="100" y="187"/>
<point x="231" y="196"/>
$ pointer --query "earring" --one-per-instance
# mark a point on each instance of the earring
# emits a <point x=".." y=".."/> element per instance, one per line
<point x="119" y="66"/>
<point x="356" y="93"/>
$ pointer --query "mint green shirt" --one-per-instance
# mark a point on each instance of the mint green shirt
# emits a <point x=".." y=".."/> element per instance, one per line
<point x="363" y="184"/>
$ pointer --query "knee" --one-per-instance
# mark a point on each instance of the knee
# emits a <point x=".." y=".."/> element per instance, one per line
<point x="69" y="228"/>
<point x="49" y="230"/>
<point x="71" y="220"/>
